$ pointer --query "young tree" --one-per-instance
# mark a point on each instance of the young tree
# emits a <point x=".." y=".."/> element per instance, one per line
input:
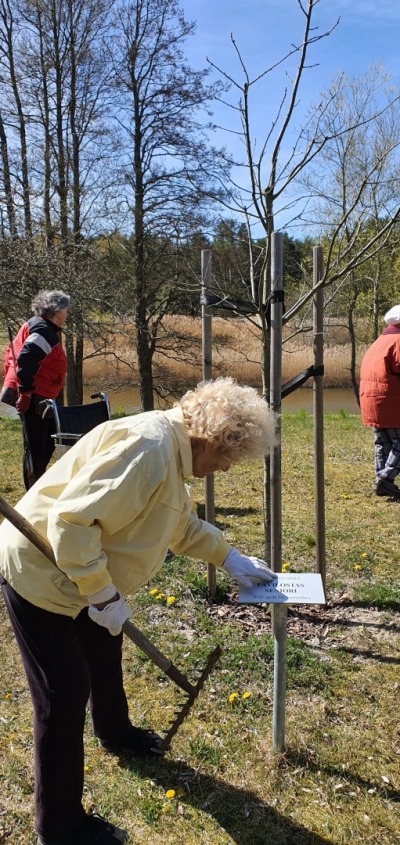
<point x="274" y="187"/>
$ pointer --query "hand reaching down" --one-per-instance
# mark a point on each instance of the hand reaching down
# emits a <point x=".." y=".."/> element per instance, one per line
<point x="247" y="570"/>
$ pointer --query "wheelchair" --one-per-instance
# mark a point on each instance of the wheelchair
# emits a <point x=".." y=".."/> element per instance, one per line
<point x="73" y="421"/>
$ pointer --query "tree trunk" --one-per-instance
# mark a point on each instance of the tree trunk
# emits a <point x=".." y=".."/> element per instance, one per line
<point x="74" y="352"/>
<point x="144" y="347"/>
<point x="47" y="137"/>
<point x="353" y="348"/>
<point x="8" y="36"/>
<point x="61" y="162"/>
<point x="144" y="357"/>
<point x="76" y="185"/>
<point x="7" y="181"/>
<point x="265" y="290"/>
<point x="375" y="302"/>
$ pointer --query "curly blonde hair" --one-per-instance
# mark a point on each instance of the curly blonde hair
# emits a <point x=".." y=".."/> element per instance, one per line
<point x="232" y="418"/>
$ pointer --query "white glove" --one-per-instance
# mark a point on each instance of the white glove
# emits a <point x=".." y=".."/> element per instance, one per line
<point x="247" y="570"/>
<point x="113" y="616"/>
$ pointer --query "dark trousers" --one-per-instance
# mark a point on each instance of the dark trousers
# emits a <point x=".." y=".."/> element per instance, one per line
<point x="39" y="435"/>
<point x="68" y="662"/>
<point x="387" y="453"/>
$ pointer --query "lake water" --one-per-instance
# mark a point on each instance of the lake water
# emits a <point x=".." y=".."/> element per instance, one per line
<point x="128" y="398"/>
<point x="334" y="399"/>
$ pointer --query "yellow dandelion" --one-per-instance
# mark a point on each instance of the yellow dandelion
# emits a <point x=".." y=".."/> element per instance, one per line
<point x="171" y="600"/>
<point x="8" y="696"/>
<point x="285" y="567"/>
<point x="86" y="768"/>
<point x="160" y="596"/>
<point x="344" y="496"/>
<point x="246" y="695"/>
<point x="154" y="592"/>
<point x="357" y="566"/>
<point x="170" y="793"/>
<point x="205" y="575"/>
<point x="232" y="697"/>
<point x="364" y="554"/>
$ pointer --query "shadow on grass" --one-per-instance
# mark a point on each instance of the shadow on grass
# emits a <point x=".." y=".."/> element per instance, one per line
<point x="346" y="623"/>
<point x="393" y="605"/>
<point x="236" y="511"/>
<point x="313" y="764"/>
<point x="370" y="655"/>
<point x="246" y="819"/>
<point x="224" y="512"/>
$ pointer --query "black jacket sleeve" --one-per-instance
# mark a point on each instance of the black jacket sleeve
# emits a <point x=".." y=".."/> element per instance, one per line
<point x="38" y="345"/>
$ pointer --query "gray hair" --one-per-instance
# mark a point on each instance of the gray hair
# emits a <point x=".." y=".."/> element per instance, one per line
<point x="47" y="302"/>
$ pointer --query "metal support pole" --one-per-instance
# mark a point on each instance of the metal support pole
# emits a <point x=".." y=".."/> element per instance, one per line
<point x="279" y="615"/>
<point x="318" y="415"/>
<point x="206" y="324"/>
<point x="280" y="642"/>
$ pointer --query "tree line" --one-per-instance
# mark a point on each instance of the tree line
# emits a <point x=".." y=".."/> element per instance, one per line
<point x="110" y="184"/>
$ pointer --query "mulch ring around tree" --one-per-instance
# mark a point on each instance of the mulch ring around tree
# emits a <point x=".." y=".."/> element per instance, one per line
<point x="338" y="624"/>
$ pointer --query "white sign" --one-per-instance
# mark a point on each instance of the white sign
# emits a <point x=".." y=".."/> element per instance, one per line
<point x="286" y="588"/>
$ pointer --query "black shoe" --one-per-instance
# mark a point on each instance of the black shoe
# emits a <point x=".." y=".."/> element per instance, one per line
<point x="136" y="741"/>
<point x="383" y="487"/>
<point x="94" y="830"/>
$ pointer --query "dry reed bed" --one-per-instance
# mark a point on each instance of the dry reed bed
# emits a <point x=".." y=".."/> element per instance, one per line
<point x="236" y="349"/>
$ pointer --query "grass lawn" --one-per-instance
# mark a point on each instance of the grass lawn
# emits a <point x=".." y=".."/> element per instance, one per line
<point x="339" y="778"/>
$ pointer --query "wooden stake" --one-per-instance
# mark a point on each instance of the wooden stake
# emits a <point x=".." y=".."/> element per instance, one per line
<point x="206" y="322"/>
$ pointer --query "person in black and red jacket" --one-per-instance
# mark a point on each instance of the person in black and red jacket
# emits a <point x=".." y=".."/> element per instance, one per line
<point x="41" y="371"/>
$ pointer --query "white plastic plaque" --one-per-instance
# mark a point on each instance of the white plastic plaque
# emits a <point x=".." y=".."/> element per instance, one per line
<point x="286" y="588"/>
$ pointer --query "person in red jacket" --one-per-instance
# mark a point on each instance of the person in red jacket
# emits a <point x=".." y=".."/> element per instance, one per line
<point x="380" y="402"/>
<point x="41" y="368"/>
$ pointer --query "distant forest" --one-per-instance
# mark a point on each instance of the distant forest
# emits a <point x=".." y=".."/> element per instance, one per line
<point x="111" y="187"/>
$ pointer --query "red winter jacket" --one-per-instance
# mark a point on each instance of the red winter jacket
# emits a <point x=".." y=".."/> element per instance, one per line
<point x="380" y="381"/>
<point x="41" y="360"/>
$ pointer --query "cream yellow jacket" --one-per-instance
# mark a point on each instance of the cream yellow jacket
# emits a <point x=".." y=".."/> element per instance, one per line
<point x="110" y="508"/>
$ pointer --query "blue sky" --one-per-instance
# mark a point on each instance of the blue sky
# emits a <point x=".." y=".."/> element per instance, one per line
<point x="264" y="30"/>
<point x="368" y="31"/>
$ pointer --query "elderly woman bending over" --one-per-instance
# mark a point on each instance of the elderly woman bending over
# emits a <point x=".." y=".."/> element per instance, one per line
<point x="111" y="508"/>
